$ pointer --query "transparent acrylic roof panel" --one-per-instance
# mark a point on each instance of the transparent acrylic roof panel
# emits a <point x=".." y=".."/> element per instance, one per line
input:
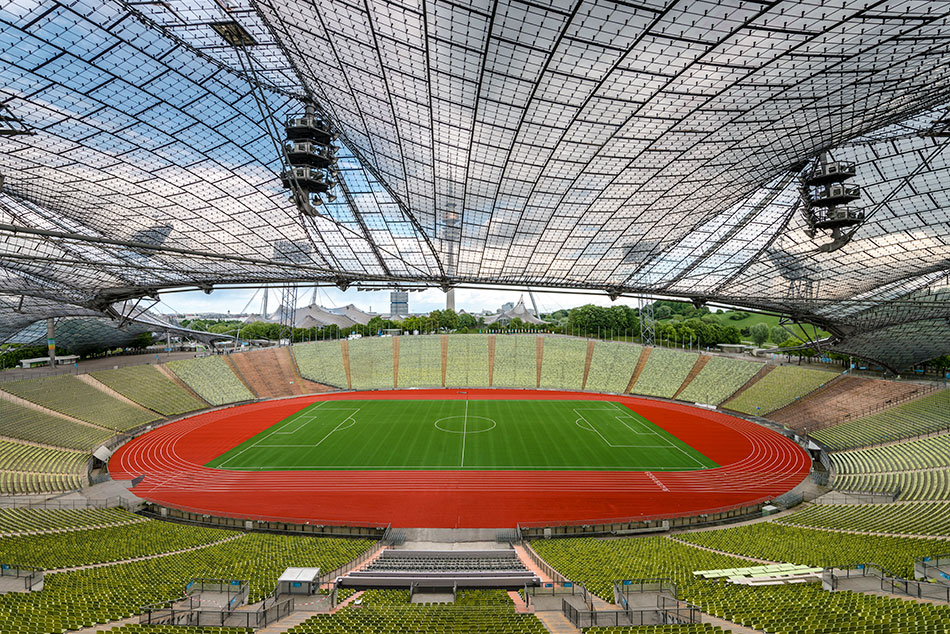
<point x="648" y="147"/>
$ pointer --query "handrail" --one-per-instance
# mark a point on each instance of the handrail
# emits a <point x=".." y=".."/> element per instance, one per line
<point x="545" y="567"/>
<point x="353" y="563"/>
<point x="79" y="503"/>
<point x="647" y="518"/>
<point x="922" y="391"/>
<point x="270" y="518"/>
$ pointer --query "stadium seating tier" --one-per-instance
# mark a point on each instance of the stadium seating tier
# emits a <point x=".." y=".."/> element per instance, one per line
<point x="69" y="395"/>
<point x="83" y="598"/>
<point x="779" y="609"/>
<point x="420" y="361"/>
<point x="777" y="389"/>
<point x="321" y="362"/>
<point x="516" y="361"/>
<point x="26" y="423"/>
<point x="611" y="366"/>
<point x="22" y="519"/>
<point x="912" y="518"/>
<point x="664" y="372"/>
<point x="371" y="363"/>
<point x="467" y="361"/>
<point x="718" y="380"/>
<point x="212" y="379"/>
<point x="149" y="388"/>
<point x="793" y="544"/>
<point x="563" y="362"/>
<point x="925" y="415"/>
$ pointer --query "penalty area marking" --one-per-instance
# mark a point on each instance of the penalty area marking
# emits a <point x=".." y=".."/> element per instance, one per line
<point x="671" y="444"/>
<point x="339" y="427"/>
<point x="590" y="427"/>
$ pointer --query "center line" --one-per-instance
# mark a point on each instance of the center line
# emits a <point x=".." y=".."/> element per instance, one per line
<point x="464" y="429"/>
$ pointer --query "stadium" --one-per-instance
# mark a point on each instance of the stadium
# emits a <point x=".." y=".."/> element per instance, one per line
<point x="636" y="466"/>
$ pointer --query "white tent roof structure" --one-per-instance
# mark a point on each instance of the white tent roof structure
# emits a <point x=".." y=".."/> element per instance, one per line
<point x="519" y="311"/>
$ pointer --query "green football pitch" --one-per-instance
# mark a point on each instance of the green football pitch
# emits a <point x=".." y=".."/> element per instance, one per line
<point x="472" y="435"/>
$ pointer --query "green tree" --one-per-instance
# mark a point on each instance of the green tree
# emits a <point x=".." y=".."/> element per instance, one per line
<point x="467" y="321"/>
<point x="777" y="335"/>
<point x="448" y="319"/>
<point x="143" y="340"/>
<point x="759" y="333"/>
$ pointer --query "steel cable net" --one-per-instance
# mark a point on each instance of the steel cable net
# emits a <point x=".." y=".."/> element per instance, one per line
<point x="647" y="148"/>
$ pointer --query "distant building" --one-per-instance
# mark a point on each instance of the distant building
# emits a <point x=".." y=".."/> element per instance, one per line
<point x="314" y="316"/>
<point x="518" y="310"/>
<point x="399" y="304"/>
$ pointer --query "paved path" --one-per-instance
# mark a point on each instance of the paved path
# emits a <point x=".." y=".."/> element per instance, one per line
<point x="721" y="552"/>
<point x="72" y="529"/>
<point x="735" y="628"/>
<point x="291" y="620"/>
<point x="843" y="530"/>
<point x="155" y="556"/>
<point x="107" y="626"/>
<point x="557" y="623"/>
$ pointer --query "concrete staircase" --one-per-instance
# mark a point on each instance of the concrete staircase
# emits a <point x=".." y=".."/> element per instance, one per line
<point x="642" y="361"/>
<point x="556" y="623"/>
<point x="291" y="620"/>
<point x="697" y="368"/>
<point x="766" y="368"/>
<point x="270" y="373"/>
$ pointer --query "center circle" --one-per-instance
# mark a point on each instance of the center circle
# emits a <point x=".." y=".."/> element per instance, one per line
<point x="465" y="424"/>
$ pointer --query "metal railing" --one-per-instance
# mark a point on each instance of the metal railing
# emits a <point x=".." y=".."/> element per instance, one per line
<point x="936" y="567"/>
<point x="353" y="564"/>
<point x="853" y="414"/>
<point x="614" y="525"/>
<point x="669" y="611"/>
<point x="626" y="587"/>
<point x="831" y="580"/>
<point x="189" y="612"/>
<point x="31" y="576"/>
<point x="267" y="522"/>
<point x="549" y="571"/>
<point x="236" y="590"/>
<point x="859" y="497"/>
<point x="79" y="503"/>
<point x="552" y="589"/>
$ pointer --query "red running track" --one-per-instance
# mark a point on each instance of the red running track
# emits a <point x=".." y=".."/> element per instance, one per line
<point x="757" y="464"/>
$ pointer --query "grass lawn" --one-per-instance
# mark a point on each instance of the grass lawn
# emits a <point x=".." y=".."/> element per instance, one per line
<point x="471" y="435"/>
<point x="754" y="318"/>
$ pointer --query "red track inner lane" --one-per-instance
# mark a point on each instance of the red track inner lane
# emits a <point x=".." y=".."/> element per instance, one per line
<point x="757" y="464"/>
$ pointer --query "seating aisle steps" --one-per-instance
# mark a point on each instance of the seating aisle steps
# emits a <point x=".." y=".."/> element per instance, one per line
<point x="701" y="362"/>
<point x="291" y="620"/>
<point x="270" y="373"/>
<point x="845" y="399"/>
<point x="556" y="623"/>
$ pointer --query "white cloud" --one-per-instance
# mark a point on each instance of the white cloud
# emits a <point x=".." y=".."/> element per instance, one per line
<point x="470" y="300"/>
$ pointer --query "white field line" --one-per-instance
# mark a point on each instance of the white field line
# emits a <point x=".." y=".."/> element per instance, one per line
<point x="678" y="448"/>
<point x="347" y="419"/>
<point x="262" y="438"/>
<point x="533" y="467"/>
<point x="464" y="431"/>
<point x="594" y="429"/>
<point x="280" y="429"/>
